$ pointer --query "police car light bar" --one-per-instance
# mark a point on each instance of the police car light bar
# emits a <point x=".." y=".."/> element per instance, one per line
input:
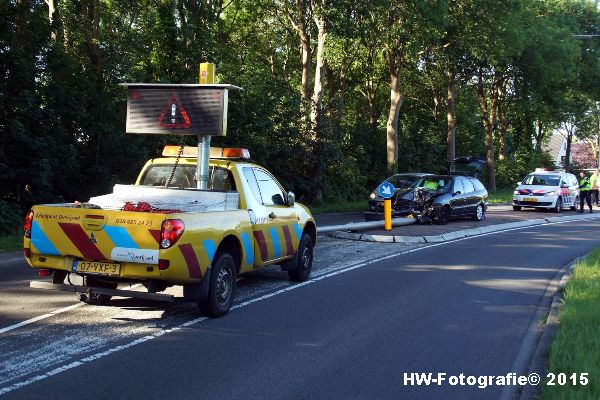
<point x="215" y="152"/>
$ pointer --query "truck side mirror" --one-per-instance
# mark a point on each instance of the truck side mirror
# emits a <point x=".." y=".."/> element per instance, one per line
<point x="291" y="198"/>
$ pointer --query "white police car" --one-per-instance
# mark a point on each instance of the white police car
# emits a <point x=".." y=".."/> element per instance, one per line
<point x="547" y="189"/>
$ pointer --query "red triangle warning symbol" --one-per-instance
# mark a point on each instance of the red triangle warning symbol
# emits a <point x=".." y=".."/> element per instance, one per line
<point x="173" y="114"/>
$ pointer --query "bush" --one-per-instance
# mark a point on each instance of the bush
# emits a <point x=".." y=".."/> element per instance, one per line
<point x="512" y="170"/>
<point x="11" y="218"/>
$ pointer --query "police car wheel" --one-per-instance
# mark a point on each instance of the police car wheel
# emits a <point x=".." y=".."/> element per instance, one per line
<point x="575" y="203"/>
<point x="517" y="208"/>
<point x="304" y="260"/>
<point x="558" y="207"/>
<point x="223" y="282"/>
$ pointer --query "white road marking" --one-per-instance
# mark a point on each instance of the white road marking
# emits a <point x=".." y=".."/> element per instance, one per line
<point x="32" y="320"/>
<point x="156" y="335"/>
<point x="41" y="317"/>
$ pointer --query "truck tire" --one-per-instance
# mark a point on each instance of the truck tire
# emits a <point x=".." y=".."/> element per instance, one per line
<point x="304" y="260"/>
<point x="221" y="291"/>
<point x="97" y="298"/>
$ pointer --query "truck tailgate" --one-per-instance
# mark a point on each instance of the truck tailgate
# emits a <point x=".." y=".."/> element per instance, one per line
<point x="96" y="234"/>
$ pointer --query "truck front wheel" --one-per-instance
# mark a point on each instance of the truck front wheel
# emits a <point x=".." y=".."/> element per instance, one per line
<point x="304" y="260"/>
<point x="221" y="291"/>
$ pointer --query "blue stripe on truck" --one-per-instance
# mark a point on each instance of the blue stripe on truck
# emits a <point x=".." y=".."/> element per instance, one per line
<point x="41" y="241"/>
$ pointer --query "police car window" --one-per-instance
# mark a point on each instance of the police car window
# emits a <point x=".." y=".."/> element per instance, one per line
<point x="542" y="180"/>
<point x="270" y="191"/>
<point x="469" y="188"/>
<point x="249" y="175"/>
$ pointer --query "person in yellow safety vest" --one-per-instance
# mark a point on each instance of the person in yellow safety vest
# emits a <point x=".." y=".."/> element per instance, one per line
<point x="594" y="182"/>
<point x="585" y="192"/>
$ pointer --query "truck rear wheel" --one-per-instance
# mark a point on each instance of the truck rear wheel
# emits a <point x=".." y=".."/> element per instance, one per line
<point x="304" y="260"/>
<point x="221" y="291"/>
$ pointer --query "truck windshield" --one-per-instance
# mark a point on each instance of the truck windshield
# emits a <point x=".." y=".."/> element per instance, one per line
<point x="184" y="177"/>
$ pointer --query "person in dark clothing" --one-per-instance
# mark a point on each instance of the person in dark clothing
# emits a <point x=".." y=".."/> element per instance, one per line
<point x="585" y="192"/>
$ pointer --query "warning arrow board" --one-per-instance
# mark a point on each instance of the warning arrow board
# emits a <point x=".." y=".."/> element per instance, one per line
<point x="173" y="114"/>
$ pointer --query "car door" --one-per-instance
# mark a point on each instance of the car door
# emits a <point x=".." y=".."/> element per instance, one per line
<point x="471" y="199"/>
<point x="275" y="224"/>
<point x="457" y="201"/>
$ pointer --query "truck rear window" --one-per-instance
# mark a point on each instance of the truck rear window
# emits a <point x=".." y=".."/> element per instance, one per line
<point x="184" y="177"/>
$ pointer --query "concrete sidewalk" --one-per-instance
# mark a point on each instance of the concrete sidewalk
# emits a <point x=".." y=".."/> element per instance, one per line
<point x="498" y="218"/>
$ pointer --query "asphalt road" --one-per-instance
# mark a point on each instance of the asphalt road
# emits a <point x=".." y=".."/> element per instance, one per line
<point x="371" y="313"/>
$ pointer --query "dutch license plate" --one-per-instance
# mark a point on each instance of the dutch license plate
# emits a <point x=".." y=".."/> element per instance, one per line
<point x="98" y="267"/>
<point x="530" y="199"/>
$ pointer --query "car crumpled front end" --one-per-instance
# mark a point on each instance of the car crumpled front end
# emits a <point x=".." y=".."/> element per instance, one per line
<point x="420" y="203"/>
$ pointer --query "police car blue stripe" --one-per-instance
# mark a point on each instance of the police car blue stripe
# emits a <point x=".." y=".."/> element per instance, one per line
<point x="41" y="241"/>
<point x="276" y="244"/>
<point x="248" y="249"/>
<point x="120" y="237"/>
<point x="210" y="248"/>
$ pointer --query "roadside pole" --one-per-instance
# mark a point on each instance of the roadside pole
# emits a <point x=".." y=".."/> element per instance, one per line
<point x="206" y="76"/>
<point x="387" y="190"/>
<point x="387" y="214"/>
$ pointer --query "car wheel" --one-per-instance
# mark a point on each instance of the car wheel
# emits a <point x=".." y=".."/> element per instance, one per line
<point x="517" y="208"/>
<point x="574" y="206"/>
<point x="443" y="216"/>
<point x="558" y="207"/>
<point x="304" y="260"/>
<point x="221" y="290"/>
<point x="97" y="298"/>
<point x="479" y="213"/>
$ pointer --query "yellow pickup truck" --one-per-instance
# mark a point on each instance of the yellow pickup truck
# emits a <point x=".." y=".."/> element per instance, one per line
<point x="162" y="231"/>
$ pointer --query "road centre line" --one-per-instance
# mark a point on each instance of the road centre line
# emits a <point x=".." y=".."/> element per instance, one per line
<point x="156" y="335"/>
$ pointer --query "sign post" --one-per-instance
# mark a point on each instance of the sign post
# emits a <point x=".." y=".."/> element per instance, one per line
<point x="387" y="190"/>
<point x="181" y="109"/>
<point x="206" y="77"/>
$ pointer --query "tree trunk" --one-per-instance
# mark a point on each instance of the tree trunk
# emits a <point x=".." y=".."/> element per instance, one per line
<point x="451" y="118"/>
<point x="317" y="97"/>
<point x="300" y="22"/>
<point x="317" y="103"/>
<point x="568" y="151"/>
<point x="53" y="18"/>
<point x="503" y="127"/>
<point x="488" y="115"/>
<point x="539" y="137"/>
<point x="396" y="99"/>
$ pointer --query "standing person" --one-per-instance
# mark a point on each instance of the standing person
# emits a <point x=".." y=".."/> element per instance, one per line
<point x="594" y="182"/>
<point x="585" y="192"/>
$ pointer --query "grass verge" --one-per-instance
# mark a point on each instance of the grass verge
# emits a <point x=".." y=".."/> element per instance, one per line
<point x="576" y="347"/>
<point x="501" y="196"/>
<point x="10" y="243"/>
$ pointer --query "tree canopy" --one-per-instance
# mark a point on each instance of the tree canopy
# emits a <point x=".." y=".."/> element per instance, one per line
<point x="337" y="93"/>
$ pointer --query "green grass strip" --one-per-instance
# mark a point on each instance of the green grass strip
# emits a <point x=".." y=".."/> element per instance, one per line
<point x="576" y="347"/>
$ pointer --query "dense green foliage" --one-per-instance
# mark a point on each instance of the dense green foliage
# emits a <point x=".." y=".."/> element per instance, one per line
<point x="515" y="67"/>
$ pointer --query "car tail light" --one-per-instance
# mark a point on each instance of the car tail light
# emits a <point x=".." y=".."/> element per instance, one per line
<point x="27" y="225"/>
<point x="27" y="252"/>
<point x="170" y="232"/>
<point x="43" y="272"/>
<point x="163" y="264"/>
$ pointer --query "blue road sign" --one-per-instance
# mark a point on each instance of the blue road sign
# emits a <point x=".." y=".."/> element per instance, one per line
<point x="386" y="190"/>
